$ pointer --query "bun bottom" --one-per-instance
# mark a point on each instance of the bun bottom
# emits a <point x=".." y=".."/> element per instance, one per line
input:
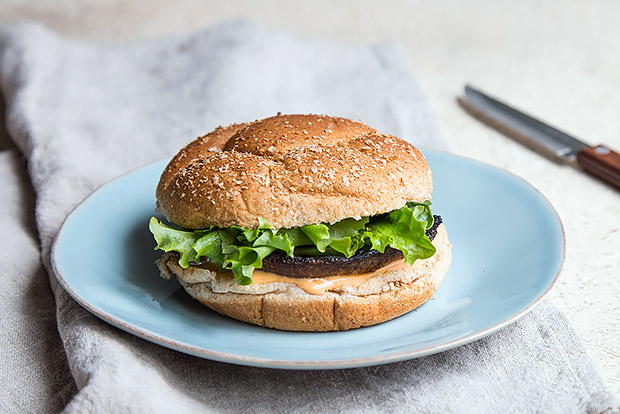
<point x="284" y="306"/>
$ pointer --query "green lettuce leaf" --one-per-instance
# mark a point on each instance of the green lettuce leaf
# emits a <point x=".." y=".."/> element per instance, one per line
<point x="242" y="250"/>
<point x="170" y="239"/>
<point x="345" y="236"/>
<point x="244" y="260"/>
<point x="405" y="230"/>
<point x="210" y="245"/>
<point x="228" y="250"/>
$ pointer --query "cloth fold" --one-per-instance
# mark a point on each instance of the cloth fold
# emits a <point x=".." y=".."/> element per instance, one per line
<point x="83" y="114"/>
<point x="34" y="374"/>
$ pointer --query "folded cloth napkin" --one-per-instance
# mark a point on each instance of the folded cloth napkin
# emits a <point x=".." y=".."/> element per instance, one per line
<point x="34" y="375"/>
<point x="83" y="114"/>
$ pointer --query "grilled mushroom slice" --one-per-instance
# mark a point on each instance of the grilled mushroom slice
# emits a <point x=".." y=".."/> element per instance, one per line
<point x="333" y="265"/>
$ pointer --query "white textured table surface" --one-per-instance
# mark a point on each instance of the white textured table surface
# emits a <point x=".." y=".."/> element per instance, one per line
<point x="558" y="60"/>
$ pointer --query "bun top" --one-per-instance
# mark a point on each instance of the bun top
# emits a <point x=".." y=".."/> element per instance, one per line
<point x="291" y="170"/>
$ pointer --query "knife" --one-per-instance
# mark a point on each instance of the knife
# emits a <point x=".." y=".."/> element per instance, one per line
<point x="598" y="160"/>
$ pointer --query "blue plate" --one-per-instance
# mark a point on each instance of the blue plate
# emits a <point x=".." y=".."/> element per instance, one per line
<point x="508" y="248"/>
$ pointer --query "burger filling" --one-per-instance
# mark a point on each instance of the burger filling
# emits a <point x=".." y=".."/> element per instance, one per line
<point x="403" y="233"/>
<point x="363" y="261"/>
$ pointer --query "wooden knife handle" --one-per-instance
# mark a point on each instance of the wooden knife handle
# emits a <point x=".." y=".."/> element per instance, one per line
<point x="602" y="162"/>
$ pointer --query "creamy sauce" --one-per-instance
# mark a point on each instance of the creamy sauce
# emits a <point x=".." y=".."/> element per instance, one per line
<point x="319" y="285"/>
<point x="315" y="285"/>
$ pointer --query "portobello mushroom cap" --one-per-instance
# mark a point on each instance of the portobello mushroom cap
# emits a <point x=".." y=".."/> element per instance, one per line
<point x="334" y="265"/>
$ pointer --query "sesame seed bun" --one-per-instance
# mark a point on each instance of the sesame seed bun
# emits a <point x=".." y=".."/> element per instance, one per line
<point x="291" y="170"/>
<point x="283" y="305"/>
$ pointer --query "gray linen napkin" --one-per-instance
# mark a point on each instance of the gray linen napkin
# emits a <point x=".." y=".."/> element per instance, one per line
<point x="83" y="114"/>
<point x="34" y="375"/>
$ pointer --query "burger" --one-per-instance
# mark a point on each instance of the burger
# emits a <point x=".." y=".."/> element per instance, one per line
<point x="301" y="223"/>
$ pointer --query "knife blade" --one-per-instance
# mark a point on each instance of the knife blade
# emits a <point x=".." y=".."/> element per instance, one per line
<point x="598" y="160"/>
